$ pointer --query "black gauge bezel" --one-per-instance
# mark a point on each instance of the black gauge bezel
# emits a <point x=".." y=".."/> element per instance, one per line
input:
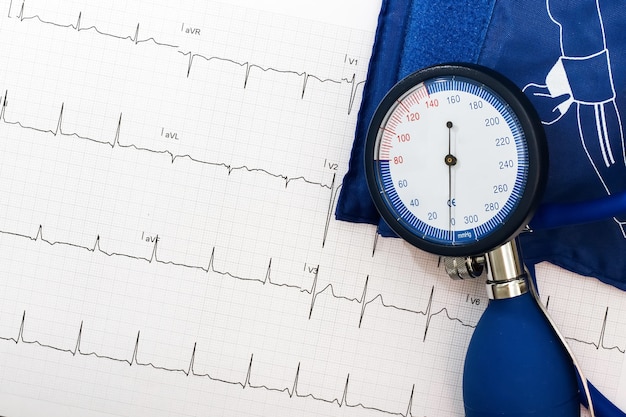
<point x="534" y="136"/>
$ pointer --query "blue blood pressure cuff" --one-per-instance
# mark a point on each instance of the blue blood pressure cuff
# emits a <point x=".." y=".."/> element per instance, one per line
<point x="568" y="57"/>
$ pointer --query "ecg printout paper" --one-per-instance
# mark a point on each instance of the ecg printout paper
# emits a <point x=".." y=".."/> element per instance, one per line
<point x="168" y="176"/>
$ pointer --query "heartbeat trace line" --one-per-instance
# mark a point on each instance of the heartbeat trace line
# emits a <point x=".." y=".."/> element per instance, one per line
<point x="135" y="39"/>
<point x="600" y="343"/>
<point x="265" y="280"/>
<point x="115" y="143"/>
<point x="190" y="371"/>
<point x="58" y="131"/>
<point x="305" y="76"/>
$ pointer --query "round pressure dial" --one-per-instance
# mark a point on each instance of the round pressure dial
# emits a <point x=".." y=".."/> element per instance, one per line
<point x="456" y="159"/>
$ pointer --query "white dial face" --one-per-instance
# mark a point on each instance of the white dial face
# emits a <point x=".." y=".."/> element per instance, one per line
<point x="452" y="160"/>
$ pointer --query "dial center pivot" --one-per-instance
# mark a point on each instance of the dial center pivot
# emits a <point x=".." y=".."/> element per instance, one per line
<point x="450" y="160"/>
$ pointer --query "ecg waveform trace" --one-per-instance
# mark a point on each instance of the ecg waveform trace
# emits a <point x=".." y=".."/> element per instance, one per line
<point x="265" y="280"/>
<point x="77" y="26"/>
<point x="247" y="382"/>
<point x="599" y="344"/>
<point x="305" y="76"/>
<point x="355" y="85"/>
<point x="136" y="356"/>
<point x="292" y="391"/>
<point x="173" y="157"/>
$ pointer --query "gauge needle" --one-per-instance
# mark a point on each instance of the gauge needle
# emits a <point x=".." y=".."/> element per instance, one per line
<point x="450" y="161"/>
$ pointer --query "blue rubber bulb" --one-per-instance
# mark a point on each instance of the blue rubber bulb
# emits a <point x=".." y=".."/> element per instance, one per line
<point x="516" y="365"/>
